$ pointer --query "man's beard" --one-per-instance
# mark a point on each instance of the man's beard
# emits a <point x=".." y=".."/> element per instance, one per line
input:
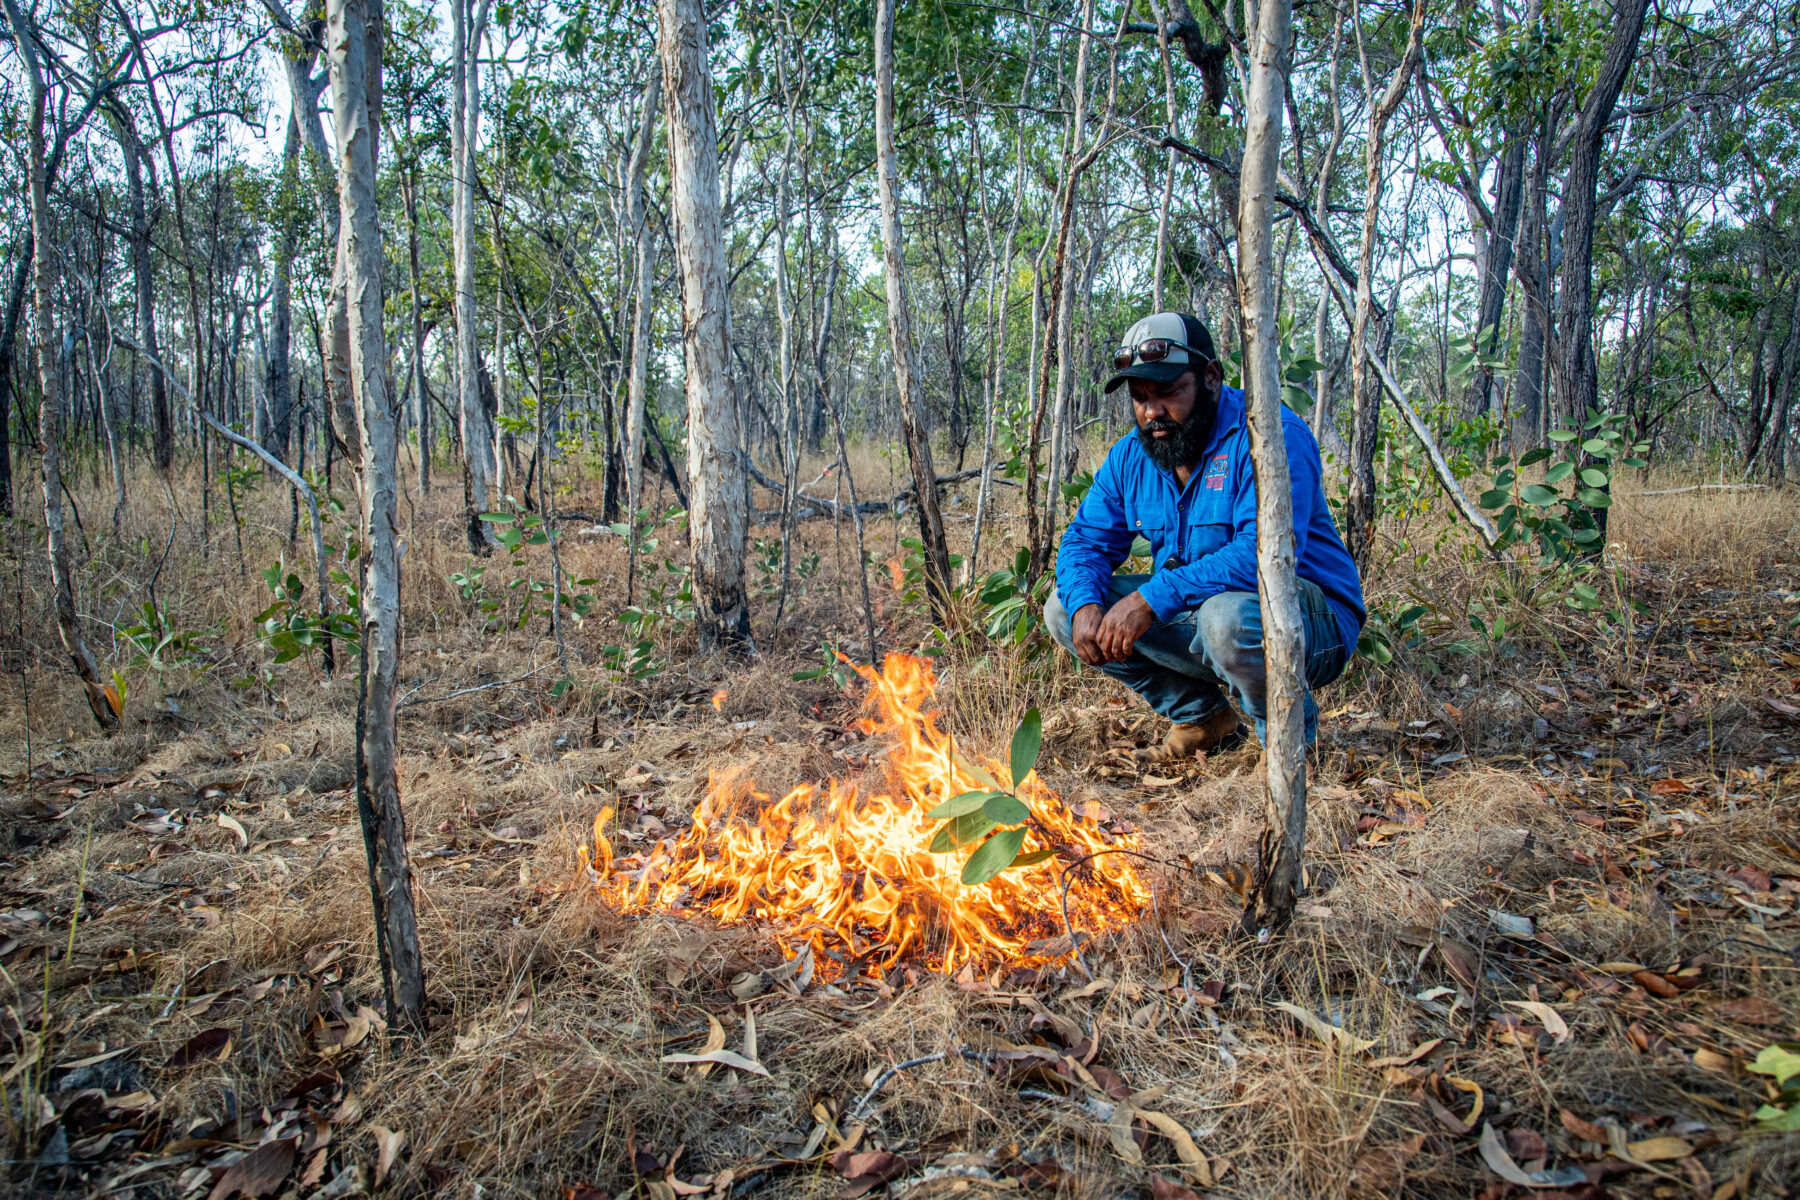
<point x="1185" y="440"/>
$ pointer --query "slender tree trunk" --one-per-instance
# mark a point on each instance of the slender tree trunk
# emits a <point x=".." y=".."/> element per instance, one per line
<point x="642" y="310"/>
<point x="44" y="273"/>
<point x="1000" y="280"/>
<point x="1578" y="372"/>
<point x="1365" y="392"/>
<point x="1529" y="266"/>
<point x="717" y="504"/>
<point x="278" y="379"/>
<point x="479" y="466"/>
<point x="162" y="437"/>
<point x="1322" y="379"/>
<point x="900" y="336"/>
<point x="418" y="328"/>
<point x="356" y="31"/>
<point x="1271" y="902"/>
<point x="1509" y="197"/>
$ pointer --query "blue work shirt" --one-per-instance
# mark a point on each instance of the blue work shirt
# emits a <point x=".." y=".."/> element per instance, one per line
<point x="1210" y="525"/>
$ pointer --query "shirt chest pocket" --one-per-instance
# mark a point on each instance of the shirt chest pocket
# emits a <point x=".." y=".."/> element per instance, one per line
<point x="1204" y="537"/>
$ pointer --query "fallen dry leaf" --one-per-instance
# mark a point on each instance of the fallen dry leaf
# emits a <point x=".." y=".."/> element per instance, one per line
<point x="1168" y="1189"/>
<point x="389" y="1143"/>
<point x="1659" y="1149"/>
<point x="259" y="1172"/>
<point x="1381" y="1171"/>
<point x="1092" y="988"/>
<point x="1185" y="1150"/>
<point x="1118" y="1131"/>
<point x="715" y="1040"/>
<point x="1586" y="1130"/>
<point x="230" y="822"/>
<point x="1325" y="1031"/>
<point x="729" y="1058"/>
<point x="1548" y="1017"/>
<point x="1752" y="1010"/>
<point x="1411" y="1056"/>
<point x="1494" y="1154"/>
<point x="209" y="1045"/>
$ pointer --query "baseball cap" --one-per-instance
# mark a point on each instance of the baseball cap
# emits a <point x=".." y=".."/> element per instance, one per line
<point x="1179" y="327"/>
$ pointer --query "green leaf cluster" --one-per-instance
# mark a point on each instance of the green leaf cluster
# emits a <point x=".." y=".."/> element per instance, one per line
<point x="995" y="817"/>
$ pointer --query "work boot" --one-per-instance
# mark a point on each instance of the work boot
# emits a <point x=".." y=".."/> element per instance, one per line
<point x="1216" y="734"/>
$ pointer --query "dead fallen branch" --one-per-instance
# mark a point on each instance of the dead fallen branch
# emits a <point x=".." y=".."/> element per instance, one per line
<point x="820" y="507"/>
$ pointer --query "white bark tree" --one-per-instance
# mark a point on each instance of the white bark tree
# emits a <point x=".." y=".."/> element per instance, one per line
<point x="1271" y="903"/>
<point x="1365" y="394"/>
<point x="717" y="498"/>
<point x="44" y="269"/>
<point x="900" y="339"/>
<point x="642" y="311"/>
<point x="479" y="464"/>
<point x="355" y="46"/>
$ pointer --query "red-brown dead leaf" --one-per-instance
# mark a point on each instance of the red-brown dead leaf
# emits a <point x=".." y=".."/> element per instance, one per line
<point x="209" y="1045"/>
<point x="1671" y="787"/>
<point x="1655" y="984"/>
<point x="1753" y="878"/>
<point x="1752" y="1010"/>
<point x="1587" y="1131"/>
<point x="1526" y="1144"/>
<point x="1381" y="1171"/>
<point x="1168" y="1189"/>
<point x="867" y="1171"/>
<point x="259" y="1173"/>
<point x="584" y="1191"/>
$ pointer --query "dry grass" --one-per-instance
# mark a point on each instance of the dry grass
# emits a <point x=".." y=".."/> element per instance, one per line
<point x="551" y="1011"/>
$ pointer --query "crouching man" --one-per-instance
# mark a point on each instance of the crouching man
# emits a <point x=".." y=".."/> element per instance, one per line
<point x="1188" y="638"/>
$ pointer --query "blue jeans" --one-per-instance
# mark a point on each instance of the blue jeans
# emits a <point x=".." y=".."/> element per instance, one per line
<point x="1184" y="667"/>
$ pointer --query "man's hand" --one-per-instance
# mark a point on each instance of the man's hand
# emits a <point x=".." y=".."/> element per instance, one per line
<point x="1084" y="628"/>
<point x="1126" y="622"/>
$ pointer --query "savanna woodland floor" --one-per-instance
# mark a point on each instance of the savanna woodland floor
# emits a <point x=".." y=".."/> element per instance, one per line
<point x="1550" y="920"/>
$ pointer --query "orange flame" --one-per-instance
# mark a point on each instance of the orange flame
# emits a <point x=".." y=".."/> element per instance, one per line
<point x="852" y="869"/>
<point x="718" y="700"/>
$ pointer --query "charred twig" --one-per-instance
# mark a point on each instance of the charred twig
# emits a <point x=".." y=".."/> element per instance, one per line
<point x="860" y="1108"/>
<point x="1063" y="899"/>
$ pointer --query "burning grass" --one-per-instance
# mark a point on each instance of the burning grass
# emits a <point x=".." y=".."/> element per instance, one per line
<point x="852" y="868"/>
<point x="1557" y="899"/>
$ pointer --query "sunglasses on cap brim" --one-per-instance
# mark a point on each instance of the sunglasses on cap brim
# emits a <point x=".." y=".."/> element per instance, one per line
<point x="1154" y="350"/>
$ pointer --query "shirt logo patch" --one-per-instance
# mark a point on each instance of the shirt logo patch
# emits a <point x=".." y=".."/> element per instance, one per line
<point x="1215" y="473"/>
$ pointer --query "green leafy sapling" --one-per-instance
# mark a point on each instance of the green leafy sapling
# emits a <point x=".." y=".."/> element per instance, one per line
<point x="996" y="814"/>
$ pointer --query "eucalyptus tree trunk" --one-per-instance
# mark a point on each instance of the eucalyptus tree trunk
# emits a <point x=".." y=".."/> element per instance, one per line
<point x="1322" y="379"/>
<point x="1509" y="201"/>
<point x="784" y="315"/>
<point x="1578" y="373"/>
<point x="717" y="500"/>
<point x="641" y="313"/>
<point x="44" y="273"/>
<point x="411" y="197"/>
<point x="999" y="279"/>
<point x="900" y="339"/>
<point x="1530" y="266"/>
<point x="278" y="379"/>
<point x="1365" y="392"/>
<point x="1065" y="282"/>
<point x="479" y="465"/>
<point x="1172" y="130"/>
<point x="1038" y="523"/>
<point x="133" y="152"/>
<point x="1271" y="901"/>
<point x="355" y="43"/>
